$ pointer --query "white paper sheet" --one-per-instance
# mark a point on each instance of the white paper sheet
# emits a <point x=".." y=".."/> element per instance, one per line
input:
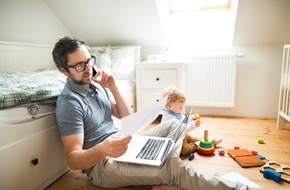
<point x="236" y="177"/>
<point x="143" y="118"/>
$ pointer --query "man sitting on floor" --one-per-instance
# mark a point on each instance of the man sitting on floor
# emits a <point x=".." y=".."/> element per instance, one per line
<point x="84" y="117"/>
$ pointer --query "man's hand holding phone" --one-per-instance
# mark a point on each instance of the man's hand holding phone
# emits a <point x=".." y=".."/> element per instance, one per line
<point x="105" y="79"/>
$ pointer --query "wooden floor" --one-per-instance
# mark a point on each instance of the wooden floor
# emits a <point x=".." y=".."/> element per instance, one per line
<point x="235" y="132"/>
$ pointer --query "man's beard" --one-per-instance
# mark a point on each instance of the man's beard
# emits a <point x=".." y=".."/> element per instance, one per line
<point x="81" y="81"/>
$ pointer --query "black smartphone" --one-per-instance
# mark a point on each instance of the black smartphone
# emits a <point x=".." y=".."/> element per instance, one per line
<point x="94" y="72"/>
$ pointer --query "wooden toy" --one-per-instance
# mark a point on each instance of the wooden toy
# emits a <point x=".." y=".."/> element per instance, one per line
<point x="221" y="151"/>
<point x="261" y="140"/>
<point x="254" y="152"/>
<point x="261" y="156"/>
<point x="277" y="167"/>
<point x="272" y="174"/>
<point x="191" y="156"/>
<point x="196" y="117"/>
<point x="245" y="158"/>
<point x="206" y="146"/>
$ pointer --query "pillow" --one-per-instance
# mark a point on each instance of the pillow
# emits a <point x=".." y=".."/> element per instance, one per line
<point x="103" y="57"/>
<point x="123" y="63"/>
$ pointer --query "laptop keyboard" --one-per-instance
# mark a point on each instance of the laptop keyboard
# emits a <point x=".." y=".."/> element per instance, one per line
<point x="151" y="149"/>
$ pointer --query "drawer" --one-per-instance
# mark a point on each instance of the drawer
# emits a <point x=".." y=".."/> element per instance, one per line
<point x="17" y="169"/>
<point x="149" y="97"/>
<point x="131" y="101"/>
<point x="17" y="132"/>
<point x="158" y="78"/>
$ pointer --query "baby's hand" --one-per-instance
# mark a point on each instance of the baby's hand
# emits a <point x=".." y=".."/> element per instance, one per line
<point x="196" y="117"/>
<point x="197" y="123"/>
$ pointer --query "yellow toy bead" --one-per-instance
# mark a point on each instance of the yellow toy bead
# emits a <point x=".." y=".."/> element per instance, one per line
<point x="261" y="140"/>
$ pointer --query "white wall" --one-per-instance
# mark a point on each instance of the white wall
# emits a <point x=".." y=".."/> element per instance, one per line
<point x="114" y="22"/>
<point x="257" y="85"/>
<point x="262" y="29"/>
<point x="29" y="21"/>
<point x="262" y="22"/>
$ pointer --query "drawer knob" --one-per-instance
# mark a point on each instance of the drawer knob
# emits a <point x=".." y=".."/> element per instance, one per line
<point x="34" y="161"/>
<point x="157" y="100"/>
<point x="157" y="79"/>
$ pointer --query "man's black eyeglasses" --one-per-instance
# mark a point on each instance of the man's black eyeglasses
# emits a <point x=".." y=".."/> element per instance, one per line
<point x="79" y="67"/>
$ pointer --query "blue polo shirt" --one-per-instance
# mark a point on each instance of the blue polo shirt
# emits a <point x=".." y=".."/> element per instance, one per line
<point x="87" y="111"/>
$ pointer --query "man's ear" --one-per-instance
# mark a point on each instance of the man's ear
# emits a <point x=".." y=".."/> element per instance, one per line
<point x="63" y="71"/>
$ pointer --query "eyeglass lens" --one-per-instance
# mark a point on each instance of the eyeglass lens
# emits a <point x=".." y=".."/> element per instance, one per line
<point x="81" y="66"/>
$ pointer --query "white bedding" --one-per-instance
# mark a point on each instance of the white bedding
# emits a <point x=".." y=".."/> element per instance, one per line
<point x="35" y="85"/>
<point x="18" y="88"/>
<point x="120" y="61"/>
<point x="28" y="112"/>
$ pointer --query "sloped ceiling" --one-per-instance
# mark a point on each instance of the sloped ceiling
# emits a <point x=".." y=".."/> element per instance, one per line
<point x="118" y="22"/>
<point x="115" y="22"/>
<point x="263" y="22"/>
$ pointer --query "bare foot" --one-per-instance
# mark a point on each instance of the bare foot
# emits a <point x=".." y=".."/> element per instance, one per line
<point x="165" y="187"/>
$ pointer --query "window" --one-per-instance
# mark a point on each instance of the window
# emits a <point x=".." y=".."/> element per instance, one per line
<point x="198" y="25"/>
<point x="198" y="5"/>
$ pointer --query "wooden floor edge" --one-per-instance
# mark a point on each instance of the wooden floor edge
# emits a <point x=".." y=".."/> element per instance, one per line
<point x="238" y="117"/>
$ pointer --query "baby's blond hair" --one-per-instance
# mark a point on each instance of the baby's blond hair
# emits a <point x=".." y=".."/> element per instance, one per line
<point x="174" y="95"/>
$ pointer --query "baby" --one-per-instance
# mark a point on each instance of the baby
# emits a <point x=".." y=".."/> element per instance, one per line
<point x="174" y="106"/>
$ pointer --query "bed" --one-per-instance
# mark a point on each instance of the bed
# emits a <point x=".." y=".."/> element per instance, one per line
<point x="30" y="147"/>
<point x="120" y="61"/>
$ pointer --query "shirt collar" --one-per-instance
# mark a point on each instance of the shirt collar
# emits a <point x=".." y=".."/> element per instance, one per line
<point x="80" y="90"/>
<point x="172" y="112"/>
<point x="76" y="88"/>
<point x="178" y="116"/>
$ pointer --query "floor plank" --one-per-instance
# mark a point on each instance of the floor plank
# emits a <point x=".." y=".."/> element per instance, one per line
<point x="242" y="132"/>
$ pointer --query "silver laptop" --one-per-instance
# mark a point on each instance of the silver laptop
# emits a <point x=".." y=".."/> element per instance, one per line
<point x="149" y="150"/>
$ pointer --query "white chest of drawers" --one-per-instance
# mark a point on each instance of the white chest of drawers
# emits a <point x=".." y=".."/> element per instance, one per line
<point x="35" y="158"/>
<point x="153" y="78"/>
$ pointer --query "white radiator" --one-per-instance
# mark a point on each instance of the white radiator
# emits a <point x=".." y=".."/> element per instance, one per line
<point x="211" y="81"/>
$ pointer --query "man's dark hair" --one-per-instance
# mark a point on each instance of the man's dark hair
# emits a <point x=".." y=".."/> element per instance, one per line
<point x="62" y="48"/>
